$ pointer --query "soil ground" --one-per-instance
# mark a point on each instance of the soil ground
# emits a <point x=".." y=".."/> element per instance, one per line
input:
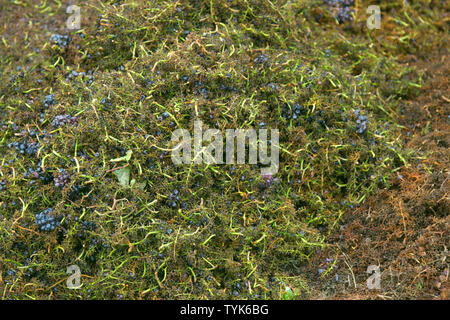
<point x="404" y="230"/>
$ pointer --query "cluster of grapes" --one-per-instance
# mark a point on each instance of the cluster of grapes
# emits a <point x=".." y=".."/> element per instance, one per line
<point x="74" y="74"/>
<point x="261" y="59"/>
<point x="64" y="119"/>
<point x="10" y="273"/>
<point x="30" y="148"/>
<point x="62" y="179"/>
<point x="201" y="89"/>
<point x="361" y="122"/>
<point x="268" y="179"/>
<point x="38" y="173"/>
<point x="87" y="225"/>
<point x="49" y="100"/>
<point x="226" y="88"/>
<point x="45" y="221"/>
<point x="299" y="114"/>
<point x="90" y="78"/>
<point x="294" y="112"/>
<point x="342" y="9"/>
<point x="60" y="40"/>
<point x="173" y="198"/>
<point x="237" y="286"/>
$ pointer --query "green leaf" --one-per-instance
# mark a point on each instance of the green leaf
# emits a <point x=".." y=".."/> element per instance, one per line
<point x="123" y="175"/>
<point x="126" y="157"/>
<point x="290" y="294"/>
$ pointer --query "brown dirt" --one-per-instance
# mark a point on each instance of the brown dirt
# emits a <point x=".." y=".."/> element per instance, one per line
<point x="404" y="229"/>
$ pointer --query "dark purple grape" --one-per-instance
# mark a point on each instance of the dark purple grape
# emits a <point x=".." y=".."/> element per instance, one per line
<point x="45" y="221"/>
<point x="361" y="122"/>
<point x="64" y="119"/>
<point x="62" y="179"/>
<point x="60" y="40"/>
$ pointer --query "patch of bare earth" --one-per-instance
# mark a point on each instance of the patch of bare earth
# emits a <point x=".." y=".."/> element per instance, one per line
<point x="403" y="230"/>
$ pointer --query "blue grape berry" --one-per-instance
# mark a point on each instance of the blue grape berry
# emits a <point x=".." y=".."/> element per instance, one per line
<point x="361" y="122"/>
